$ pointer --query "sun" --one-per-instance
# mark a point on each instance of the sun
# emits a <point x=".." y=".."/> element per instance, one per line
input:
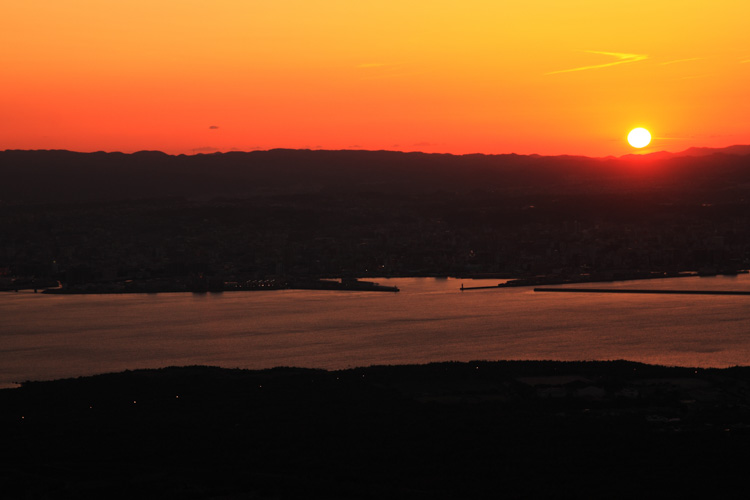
<point x="639" y="137"/>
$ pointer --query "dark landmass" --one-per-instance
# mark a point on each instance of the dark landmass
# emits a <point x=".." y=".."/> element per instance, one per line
<point x="107" y="219"/>
<point x="445" y="430"/>
<point x="65" y="176"/>
<point x="218" y="286"/>
<point x="740" y="150"/>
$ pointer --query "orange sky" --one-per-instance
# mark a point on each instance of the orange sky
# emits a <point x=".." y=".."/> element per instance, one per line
<point x="538" y="76"/>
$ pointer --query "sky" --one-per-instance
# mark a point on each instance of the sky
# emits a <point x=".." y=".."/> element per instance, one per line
<point x="471" y="76"/>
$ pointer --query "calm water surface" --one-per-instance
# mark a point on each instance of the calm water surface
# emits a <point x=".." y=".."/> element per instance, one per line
<point x="53" y="336"/>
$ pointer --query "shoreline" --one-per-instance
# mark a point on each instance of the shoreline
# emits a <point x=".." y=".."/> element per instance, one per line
<point x="357" y="284"/>
<point x="353" y="285"/>
<point x="511" y="367"/>
<point x="557" y="280"/>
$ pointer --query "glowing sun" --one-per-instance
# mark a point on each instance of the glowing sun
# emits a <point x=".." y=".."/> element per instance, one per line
<point x="639" y="137"/>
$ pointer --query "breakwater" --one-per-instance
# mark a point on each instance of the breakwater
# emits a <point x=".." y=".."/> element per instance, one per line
<point x="622" y="290"/>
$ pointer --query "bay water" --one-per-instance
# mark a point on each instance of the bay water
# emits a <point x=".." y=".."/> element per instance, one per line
<point x="45" y="336"/>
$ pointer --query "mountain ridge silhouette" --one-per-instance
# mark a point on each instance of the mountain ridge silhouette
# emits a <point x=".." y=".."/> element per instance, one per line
<point x="38" y="176"/>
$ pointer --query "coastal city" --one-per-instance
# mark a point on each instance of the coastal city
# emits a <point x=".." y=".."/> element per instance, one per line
<point x="179" y="245"/>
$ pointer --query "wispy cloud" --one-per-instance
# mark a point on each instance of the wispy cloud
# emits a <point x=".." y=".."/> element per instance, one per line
<point x="681" y="60"/>
<point x="622" y="58"/>
<point x="745" y="61"/>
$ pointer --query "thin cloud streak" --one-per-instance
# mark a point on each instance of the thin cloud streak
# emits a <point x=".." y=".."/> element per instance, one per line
<point x="680" y="60"/>
<point x="622" y="59"/>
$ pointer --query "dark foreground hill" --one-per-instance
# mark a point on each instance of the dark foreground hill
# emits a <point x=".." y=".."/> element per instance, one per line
<point x="446" y="430"/>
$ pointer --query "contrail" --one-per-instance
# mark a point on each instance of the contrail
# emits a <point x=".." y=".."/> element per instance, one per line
<point x="622" y="59"/>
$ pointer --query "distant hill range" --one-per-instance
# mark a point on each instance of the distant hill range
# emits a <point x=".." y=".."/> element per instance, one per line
<point x="65" y="176"/>
<point x="737" y="150"/>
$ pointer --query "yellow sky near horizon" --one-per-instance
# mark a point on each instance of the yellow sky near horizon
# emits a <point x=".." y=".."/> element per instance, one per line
<point x="540" y="76"/>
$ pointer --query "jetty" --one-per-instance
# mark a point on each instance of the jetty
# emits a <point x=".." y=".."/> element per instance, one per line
<point x="651" y="291"/>
<point x="478" y="287"/>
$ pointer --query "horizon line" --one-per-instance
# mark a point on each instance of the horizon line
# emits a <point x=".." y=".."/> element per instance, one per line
<point x="627" y="155"/>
